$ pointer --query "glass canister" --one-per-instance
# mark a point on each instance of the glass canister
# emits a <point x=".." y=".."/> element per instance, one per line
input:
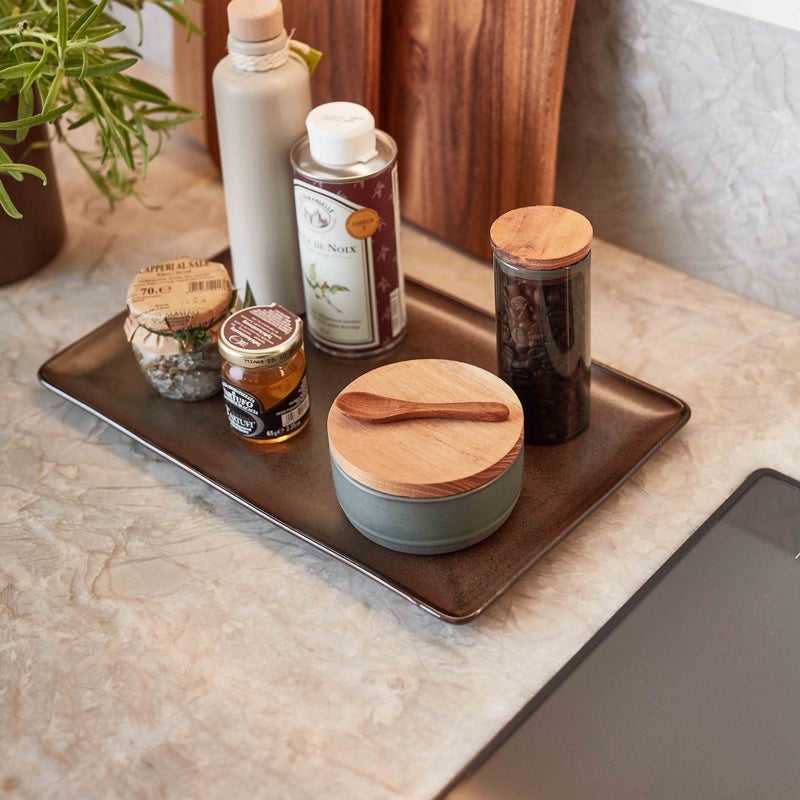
<point x="175" y="311"/>
<point x="264" y="379"/>
<point x="542" y="256"/>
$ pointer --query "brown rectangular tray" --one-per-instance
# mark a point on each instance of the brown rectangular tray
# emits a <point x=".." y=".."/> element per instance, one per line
<point x="291" y="484"/>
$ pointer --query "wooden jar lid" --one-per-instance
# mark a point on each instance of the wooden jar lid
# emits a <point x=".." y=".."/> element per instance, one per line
<point x="427" y="457"/>
<point x="541" y="237"/>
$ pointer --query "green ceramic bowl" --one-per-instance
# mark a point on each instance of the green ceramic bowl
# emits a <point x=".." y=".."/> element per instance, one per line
<point x="429" y="525"/>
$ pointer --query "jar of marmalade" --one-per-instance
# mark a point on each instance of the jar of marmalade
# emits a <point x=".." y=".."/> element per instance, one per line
<point x="264" y="381"/>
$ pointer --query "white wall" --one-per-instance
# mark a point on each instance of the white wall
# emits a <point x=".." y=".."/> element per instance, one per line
<point x="680" y="139"/>
<point x="156" y="45"/>
<point x="777" y="12"/>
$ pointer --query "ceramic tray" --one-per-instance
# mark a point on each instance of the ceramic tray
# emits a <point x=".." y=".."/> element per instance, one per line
<point x="291" y="483"/>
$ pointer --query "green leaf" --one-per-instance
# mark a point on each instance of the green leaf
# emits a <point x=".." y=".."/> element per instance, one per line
<point x="11" y="169"/>
<point x="52" y="92"/>
<point x="36" y="119"/>
<point x="104" y="33"/>
<point x="7" y="205"/>
<point x="180" y="18"/>
<point x="37" y="70"/>
<point x="81" y="122"/>
<point x="17" y="71"/>
<point x="6" y="159"/>
<point x="28" y="45"/>
<point x="12" y="20"/>
<point x="63" y="26"/>
<point x="86" y="19"/>
<point x="24" y="110"/>
<point x="111" y="120"/>
<point x="98" y="70"/>
<point x="144" y="86"/>
<point x="122" y="90"/>
<point x="249" y="299"/>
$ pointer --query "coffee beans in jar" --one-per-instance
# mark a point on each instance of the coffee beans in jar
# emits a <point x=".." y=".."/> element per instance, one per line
<point x="542" y="256"/>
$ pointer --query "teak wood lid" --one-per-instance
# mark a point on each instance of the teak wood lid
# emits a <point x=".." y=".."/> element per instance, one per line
<point x="427" y="458"/>
<point x="541" y="237"/>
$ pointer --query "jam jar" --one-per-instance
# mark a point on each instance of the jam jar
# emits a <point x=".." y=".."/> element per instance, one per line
<point x="264" y="380"/>
<point x="542" y="280"/>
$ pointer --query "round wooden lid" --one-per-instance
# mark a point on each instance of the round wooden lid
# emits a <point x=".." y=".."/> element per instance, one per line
<point x="541" y="237"/>
<point x="427" y="457"/>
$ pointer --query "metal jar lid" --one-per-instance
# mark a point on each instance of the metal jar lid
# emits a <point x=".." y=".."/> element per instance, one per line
<point x="260" y="336"/>
<point x="541" y="237"/>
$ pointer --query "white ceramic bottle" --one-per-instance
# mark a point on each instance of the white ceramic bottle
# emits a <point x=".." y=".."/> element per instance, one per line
<point x="262" y="96"/>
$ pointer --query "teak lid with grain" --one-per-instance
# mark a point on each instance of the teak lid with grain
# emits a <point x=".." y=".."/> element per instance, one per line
<point x="541" y="237"/>
<point x="426" y="458"/>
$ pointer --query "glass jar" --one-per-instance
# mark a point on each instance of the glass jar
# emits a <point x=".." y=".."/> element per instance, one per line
<point x="175" y="311"/>
<point x="542" y="256"/>
<point x="264" y="380"/>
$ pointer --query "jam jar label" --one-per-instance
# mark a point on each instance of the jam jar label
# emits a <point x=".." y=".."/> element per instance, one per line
<point x="248" y="417"/>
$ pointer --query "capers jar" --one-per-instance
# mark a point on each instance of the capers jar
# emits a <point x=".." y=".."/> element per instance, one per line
<point x="541" y="265"/>
<point x="175" y="311"/>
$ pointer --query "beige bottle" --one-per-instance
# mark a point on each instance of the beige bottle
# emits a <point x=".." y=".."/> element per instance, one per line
<point x="262" y="95"/>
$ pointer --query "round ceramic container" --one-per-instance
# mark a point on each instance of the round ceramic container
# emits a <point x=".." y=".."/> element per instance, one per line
<point x="428" y="486"/>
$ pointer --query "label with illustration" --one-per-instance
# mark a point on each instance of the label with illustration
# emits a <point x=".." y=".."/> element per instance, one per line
<point x="248" y="417"/>
<point x="349" y="253"/>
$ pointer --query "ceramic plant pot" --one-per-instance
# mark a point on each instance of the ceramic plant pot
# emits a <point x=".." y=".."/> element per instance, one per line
<point x="28" y="244"/>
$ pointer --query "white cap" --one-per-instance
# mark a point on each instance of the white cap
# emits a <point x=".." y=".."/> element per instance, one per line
<point x="341" y="133"/>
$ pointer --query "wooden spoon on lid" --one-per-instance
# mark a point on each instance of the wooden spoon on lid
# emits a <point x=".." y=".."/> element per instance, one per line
<point x="368" y="407"/>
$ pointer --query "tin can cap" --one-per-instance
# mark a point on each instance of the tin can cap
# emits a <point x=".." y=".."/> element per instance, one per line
<point x="341" y="133"/>
<point x="255" y="20"/>
<point x="260" y="336"/>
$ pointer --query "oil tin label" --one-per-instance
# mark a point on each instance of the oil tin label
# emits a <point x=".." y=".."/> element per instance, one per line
<point x="248" y="417"/>
<point x="352" y="275"/>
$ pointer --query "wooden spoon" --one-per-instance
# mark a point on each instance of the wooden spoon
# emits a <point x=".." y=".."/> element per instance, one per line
<point x="368" y="407"/>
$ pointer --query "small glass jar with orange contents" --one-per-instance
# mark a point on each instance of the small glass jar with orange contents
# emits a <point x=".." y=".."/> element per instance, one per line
<point x="264" y="379"/>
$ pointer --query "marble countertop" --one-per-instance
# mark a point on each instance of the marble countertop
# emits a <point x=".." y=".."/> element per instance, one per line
<point x="158" y="640"/>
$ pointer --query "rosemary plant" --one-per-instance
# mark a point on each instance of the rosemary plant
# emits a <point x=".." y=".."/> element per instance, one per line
<point x="57" y="64"/>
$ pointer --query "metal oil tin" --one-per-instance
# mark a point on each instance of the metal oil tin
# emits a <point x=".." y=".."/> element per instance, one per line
<point x="348" y="220"/>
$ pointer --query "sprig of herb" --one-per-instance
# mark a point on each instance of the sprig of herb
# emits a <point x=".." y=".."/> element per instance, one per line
<point x="322" y="289"/>
<point x="192" y="339"/>
<point x="57" y="54"/>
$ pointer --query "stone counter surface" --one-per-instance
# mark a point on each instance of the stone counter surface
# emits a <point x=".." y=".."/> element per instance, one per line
<point x="158" y="640"/>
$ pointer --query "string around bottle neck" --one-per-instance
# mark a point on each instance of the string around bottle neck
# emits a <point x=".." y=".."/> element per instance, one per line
<point x="261" y="62"/>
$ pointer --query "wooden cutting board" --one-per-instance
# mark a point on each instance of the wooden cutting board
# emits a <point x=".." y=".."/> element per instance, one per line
<point x="472" y="93"/>
<point x="346" y="31"/>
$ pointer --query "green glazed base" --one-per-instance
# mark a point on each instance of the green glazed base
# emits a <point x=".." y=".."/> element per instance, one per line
<point x="429" y="526"/>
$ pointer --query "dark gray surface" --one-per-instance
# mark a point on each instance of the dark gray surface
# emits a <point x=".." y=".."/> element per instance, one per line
<point x="694" y="693"/>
